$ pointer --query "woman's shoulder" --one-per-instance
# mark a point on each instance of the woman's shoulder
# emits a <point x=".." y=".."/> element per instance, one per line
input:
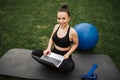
<point x="56" y="27"/>
<point x="73" y="31"/>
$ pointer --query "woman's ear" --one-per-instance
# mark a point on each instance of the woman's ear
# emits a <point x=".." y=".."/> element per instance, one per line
<point x="69" y="18"/>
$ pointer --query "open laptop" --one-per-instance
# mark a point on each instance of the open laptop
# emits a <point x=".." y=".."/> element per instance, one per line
<point x="55" y="59"/>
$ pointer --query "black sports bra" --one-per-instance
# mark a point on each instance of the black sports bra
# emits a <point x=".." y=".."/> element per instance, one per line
<point x="62" y="42"/>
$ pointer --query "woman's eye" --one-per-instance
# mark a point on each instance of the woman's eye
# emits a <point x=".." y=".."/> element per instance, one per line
<point x="63" y="18"/>
<point x="58" y="18"/>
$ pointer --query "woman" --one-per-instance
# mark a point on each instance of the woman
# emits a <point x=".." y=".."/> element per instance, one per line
<point x="65" y="41"/>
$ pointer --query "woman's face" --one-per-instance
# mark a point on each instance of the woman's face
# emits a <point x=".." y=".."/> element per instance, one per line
<point x="63" y="19"/>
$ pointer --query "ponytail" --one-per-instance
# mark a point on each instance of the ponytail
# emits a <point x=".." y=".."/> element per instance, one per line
<point x="64" y="8"/>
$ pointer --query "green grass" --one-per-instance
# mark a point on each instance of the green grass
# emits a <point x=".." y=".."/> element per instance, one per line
<point x="28" y="24"/>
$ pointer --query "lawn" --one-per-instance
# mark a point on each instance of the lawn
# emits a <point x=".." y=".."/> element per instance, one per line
<point x="28" y="24"/>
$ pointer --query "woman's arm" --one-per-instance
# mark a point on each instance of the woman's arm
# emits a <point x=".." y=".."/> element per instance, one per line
<point x="74" y="38"/>
<point x="50" y="43"/>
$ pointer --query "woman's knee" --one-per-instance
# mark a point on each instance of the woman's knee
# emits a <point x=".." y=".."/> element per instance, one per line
<point x="67" y="66"/>
<point x="33" y="52"/>
<point x="38" y="53"/>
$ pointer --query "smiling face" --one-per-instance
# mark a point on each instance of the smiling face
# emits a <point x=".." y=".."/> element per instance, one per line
<point x="63" y="19"/>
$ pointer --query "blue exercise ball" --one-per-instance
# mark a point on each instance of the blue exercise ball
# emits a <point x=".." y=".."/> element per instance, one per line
<point x="87" y="35"/>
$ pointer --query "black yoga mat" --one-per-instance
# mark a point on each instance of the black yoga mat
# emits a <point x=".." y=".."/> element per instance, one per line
<point x="19" y="63"/>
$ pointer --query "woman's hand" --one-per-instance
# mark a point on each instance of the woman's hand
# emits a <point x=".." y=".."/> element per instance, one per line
<point x="46" y="52"/>
<point x="66" y="56"/>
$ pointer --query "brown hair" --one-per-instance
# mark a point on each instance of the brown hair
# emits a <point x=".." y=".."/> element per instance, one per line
<point x="64" y="8"/>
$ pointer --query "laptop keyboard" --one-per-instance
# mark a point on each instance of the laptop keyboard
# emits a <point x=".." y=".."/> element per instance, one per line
<point x="52" y="60"/>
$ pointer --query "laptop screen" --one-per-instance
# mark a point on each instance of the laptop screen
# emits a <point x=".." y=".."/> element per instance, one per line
<point x="54" y="58"/>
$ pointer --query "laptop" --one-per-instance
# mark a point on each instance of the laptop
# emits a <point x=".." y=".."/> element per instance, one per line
<point x="55" y="59"/>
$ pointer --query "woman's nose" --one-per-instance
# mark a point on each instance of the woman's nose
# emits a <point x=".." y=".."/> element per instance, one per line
<point x="60" y="21"/>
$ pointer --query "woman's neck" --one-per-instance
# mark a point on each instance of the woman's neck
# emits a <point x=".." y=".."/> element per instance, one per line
<point x="65" y="27"/>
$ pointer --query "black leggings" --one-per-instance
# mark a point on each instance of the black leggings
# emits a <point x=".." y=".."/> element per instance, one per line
<point x="67" y="65"/>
